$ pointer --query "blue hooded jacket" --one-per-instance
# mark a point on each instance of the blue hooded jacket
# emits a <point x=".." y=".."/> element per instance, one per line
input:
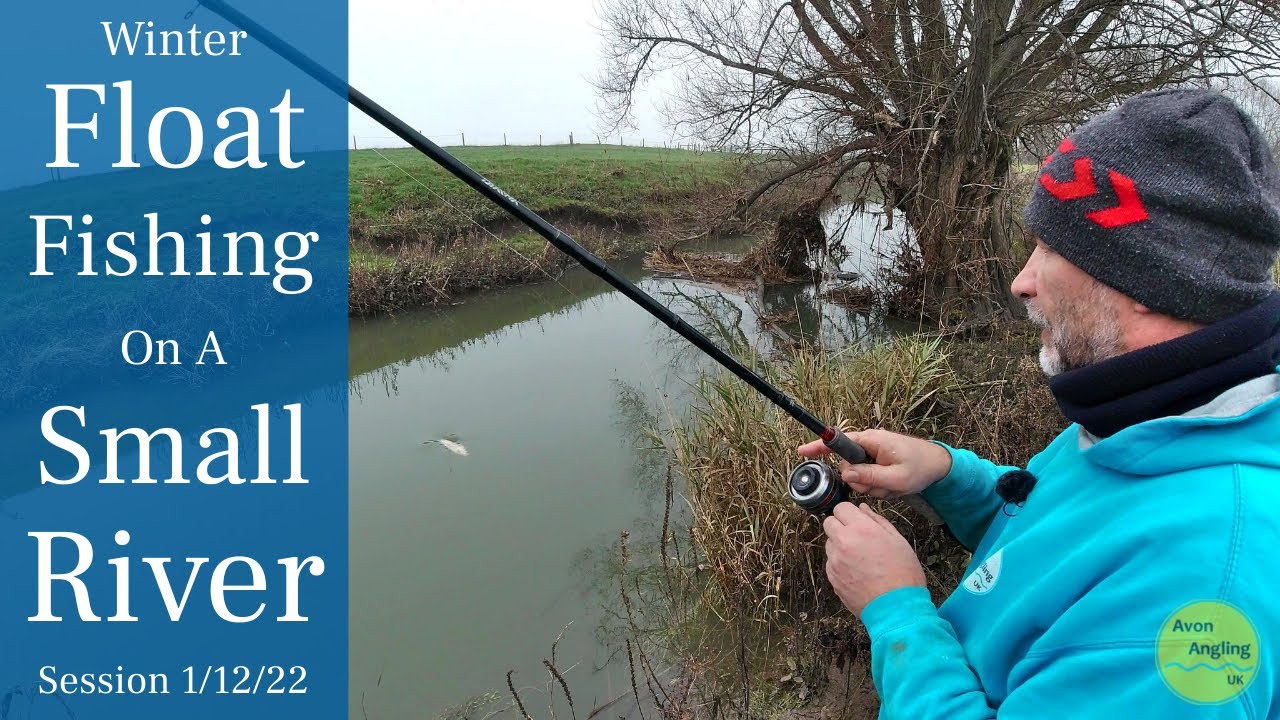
<point x="1067" y="595"/>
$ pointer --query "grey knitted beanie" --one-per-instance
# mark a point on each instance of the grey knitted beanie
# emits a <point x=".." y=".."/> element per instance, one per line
<point x="1172" y="198"/>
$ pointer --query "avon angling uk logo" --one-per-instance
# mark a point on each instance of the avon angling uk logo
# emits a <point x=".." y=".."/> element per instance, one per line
<point x="1207" y="652"/>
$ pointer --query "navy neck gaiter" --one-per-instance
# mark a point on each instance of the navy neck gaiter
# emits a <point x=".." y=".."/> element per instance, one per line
<point x="1172" y="377"/>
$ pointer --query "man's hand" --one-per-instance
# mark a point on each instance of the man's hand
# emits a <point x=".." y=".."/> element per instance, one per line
<point x="903" y="465"/>
<point x="867" y="556"/>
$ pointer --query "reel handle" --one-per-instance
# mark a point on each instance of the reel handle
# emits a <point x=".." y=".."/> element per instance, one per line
<point x="855" y="454"/>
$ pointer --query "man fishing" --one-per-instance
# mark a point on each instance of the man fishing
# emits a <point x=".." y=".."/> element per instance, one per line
<point x="1126" y="570"/>
<point x="1131" y="570"/>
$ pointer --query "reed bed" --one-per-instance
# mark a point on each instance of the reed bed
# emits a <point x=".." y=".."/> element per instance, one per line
<point x="736" y="454"/>
<point x="747" y="613"/>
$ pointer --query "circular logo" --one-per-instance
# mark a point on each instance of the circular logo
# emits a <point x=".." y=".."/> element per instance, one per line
<point x="1207" y="652"/>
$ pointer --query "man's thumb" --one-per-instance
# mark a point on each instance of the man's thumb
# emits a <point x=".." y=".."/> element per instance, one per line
<point x="862" y="476"/>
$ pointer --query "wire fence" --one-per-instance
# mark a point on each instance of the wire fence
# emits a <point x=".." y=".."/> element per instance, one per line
<point x="462" y="139"/>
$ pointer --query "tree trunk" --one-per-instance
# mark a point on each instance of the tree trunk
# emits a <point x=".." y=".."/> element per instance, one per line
<point x="962" y="275"/>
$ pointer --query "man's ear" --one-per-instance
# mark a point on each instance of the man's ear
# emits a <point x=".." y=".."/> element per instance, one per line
<point x="1141" y="309"/>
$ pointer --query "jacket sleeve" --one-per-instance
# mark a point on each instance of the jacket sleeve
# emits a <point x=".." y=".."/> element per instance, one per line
<point x="966" y="498"/>
<point x="921" y="673"/>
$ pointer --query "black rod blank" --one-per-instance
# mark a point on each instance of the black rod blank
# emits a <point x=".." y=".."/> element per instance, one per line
<point x="836" y="441"/>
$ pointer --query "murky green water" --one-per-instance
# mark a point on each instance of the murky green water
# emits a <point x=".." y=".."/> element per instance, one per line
<point x="463" y="568"/>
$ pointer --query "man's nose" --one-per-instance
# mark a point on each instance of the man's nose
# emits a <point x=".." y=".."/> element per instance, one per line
<point x="1024" y="286"/>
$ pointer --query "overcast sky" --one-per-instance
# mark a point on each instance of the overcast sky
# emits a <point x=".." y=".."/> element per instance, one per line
<point x="483" y="67"/>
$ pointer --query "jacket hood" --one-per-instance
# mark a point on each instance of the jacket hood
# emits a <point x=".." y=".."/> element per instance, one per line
<point x="1241" y="426"/>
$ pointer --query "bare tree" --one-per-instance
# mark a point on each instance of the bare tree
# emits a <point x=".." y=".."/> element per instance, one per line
<point x="921" y="101"/>
<point x="1262" y="101"/>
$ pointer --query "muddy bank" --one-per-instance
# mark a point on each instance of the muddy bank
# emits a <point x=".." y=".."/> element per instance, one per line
<point x="411" y="275"/>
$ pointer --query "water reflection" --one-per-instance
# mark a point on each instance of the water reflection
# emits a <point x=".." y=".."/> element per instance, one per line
<point x="870" y="246"/>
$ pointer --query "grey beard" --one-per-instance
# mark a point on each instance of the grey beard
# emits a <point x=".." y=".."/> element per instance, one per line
<point x="1069" y="352"/>
<point x="1050" y="362"/>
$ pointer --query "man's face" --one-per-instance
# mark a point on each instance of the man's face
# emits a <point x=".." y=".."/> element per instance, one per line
<point x="1078" y="314"/>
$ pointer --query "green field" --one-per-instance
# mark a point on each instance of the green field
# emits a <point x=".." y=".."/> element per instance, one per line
<point x="401" y="195"/>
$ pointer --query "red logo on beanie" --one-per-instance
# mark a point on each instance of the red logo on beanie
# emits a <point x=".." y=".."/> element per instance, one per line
<point x="1082" y="185"/>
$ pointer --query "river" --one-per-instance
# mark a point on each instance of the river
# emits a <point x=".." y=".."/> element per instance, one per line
<point x="465" y="567"/>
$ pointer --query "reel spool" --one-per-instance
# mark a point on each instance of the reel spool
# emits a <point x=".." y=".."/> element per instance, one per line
<point x="816" y="487"/>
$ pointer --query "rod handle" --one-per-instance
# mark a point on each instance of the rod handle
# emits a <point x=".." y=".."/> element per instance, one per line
<point x="854" y="453"/>
<point x="846" y="448"/>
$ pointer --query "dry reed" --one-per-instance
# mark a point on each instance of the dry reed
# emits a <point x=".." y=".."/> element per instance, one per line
<point x="760" y="585"/>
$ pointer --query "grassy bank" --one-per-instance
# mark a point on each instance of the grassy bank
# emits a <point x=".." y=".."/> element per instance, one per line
<point x="420" y="237"/>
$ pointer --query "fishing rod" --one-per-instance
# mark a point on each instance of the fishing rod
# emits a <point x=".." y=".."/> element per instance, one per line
<point x="809" y="486"/>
